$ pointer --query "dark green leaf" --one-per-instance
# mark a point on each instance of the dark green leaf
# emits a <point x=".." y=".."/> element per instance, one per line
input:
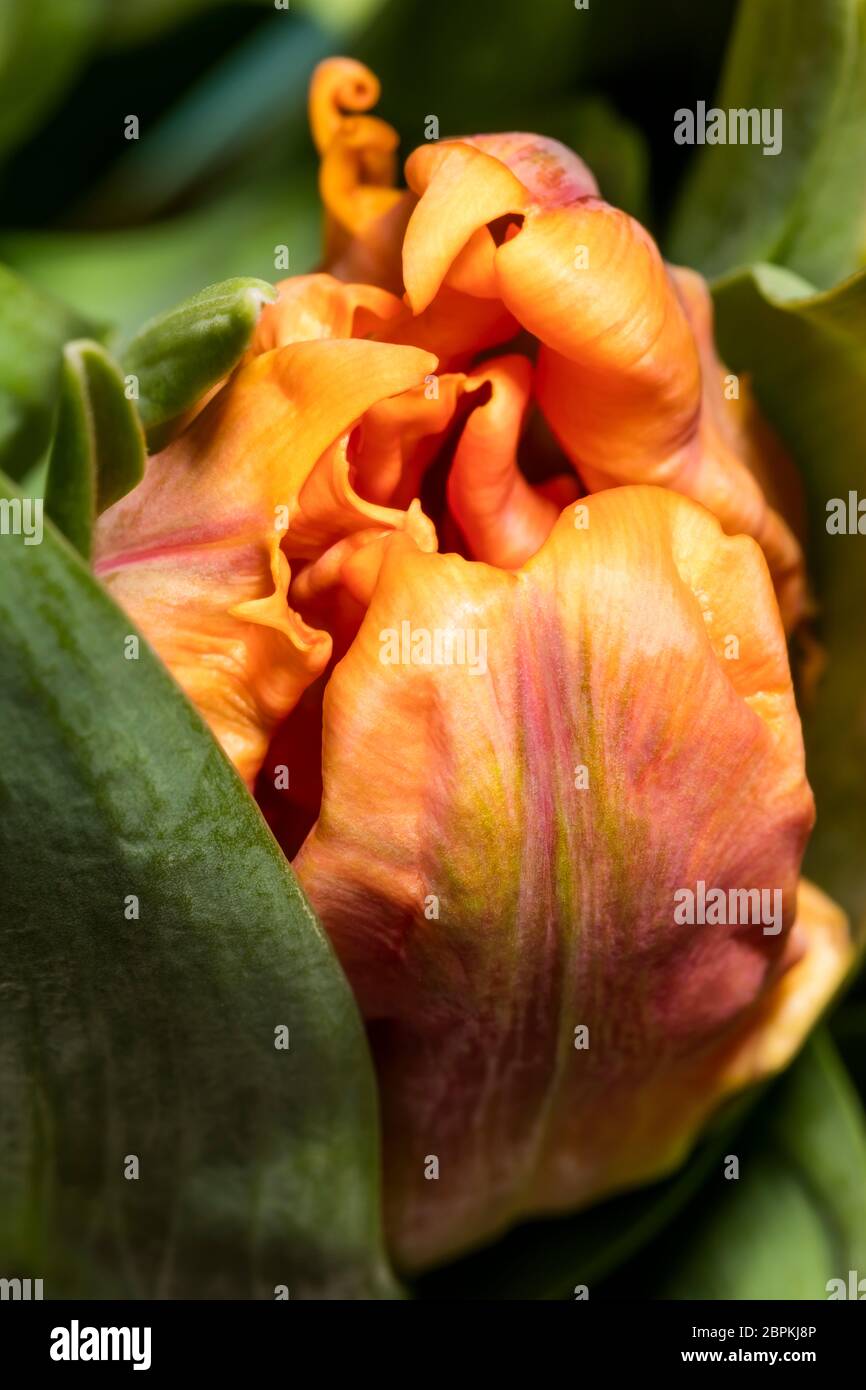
<point x="806" y="354"/>
<point x="180" y="354"/>
<point x="154" y="1035"/>
<point x="796" y="1216"/>
<point x="98" y="453"/>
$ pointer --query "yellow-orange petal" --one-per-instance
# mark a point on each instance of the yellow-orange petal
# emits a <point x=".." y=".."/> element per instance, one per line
<point x="456" y="327"/>
<point x="502" y="838"/>
<point x="619" y="375"/>
<point x="628" y="375"/>
<point x="339" y="87"/>
<point x="194" y="552"/>
<point x="552" y="174"/>
<point x="365" y="214"/>
<point x="357" y="175"/>
<point x="734" y="447"/>
<point x="465" y="185"/>
<point x="502" y="518"/>
<point x="319" y="306"/>
<point x="398" y="438"/>
<point x="329" y="509"/>
<point x="462" y="190"/>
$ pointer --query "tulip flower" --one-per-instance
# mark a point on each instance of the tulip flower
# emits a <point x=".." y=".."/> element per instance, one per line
<point x="475" y="550"/>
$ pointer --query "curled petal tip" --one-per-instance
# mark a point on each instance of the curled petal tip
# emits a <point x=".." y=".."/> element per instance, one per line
<point x="339" y="87"/>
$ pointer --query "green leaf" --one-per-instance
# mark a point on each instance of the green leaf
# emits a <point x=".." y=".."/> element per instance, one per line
<point x="126" y="276"/>
<point x="42" y="47"/>
<point x="180" y="354"/>
<point x="33" y="329"/>
<point x="796" y="1216"/>
<point x="805" y="206"/>
<point x="806" y="354"/>
<point x="98" y="453"/>
<point x="154" y="1035"/>
<point x="827" y="236"/>
<point x="547" y="1260"/>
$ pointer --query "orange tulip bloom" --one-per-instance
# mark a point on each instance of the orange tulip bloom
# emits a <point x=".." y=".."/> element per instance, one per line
<point x="546" y="790"/>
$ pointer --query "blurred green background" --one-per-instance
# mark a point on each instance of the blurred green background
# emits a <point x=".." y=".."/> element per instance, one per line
<point x="224" y="170"/>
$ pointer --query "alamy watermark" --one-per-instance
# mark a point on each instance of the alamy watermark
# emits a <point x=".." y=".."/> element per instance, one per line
<point x="438" y="646"/>
<point x="77" y="1343"/>
<point x="716" y="907"/>
<point x="738" y="126"/>
<point x="853" y="1287"/>
<point x="22" y="516"/>
<point x="21" y="1290"/>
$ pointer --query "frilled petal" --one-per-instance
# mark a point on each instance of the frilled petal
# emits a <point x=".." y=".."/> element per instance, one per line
<point x="197" y="553"/>
<point x="398" y="438"/>
<point x="521" y="773"/>
<point x="465" y="185"/>
<point x="628" y="375"/>
<point x="740" y="461"/>
<point x="619" y="374"/>
<point x="502" y="518"/>
<point x="627" y="371"/>
<point x="462" y="190"/>
<point x="456" y="327"/>
<point x="308" y="307"/>
<point x="365" y="214"/>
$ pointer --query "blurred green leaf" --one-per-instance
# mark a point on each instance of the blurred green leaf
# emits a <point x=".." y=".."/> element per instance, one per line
<point x="42" y="45"/>
<point x="806" y="205"/>
<point x="254" y="96"/>
<point x="827" y="235"/>
<point x="154" y="1035"/>
<point x="796" y="1216"/>
<point x="806" y="354"/>
<point x="180" y="354"/>
<point x="126" y="276"/>
<point x="33" y="329"/>
<point x="503" y="60"/>
<point x="614" y="149"/>
<point x="98" y="453"/>
<point x="848" y="1026"/>
<point x="139" y="21"/>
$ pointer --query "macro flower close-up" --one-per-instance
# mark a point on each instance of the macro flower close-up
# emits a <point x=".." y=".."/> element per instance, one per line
<point x="432" y="777"/>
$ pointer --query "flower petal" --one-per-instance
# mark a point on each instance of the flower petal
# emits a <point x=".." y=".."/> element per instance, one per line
<point x="619" y="375"/>
<point x="486" y="902"/>
<point x="194" y="552"/>
<point x="456" y="327"/>
<point x="319" y="306"/>
<point x="628" y="375"/>
<point x="462" y="190"/>
<point x="366" y="215"/>
<point x="502" y="518"/>
<point x="737" y="451"/>
<point x="398" y="438"/>
<point x="463" y="186"/>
